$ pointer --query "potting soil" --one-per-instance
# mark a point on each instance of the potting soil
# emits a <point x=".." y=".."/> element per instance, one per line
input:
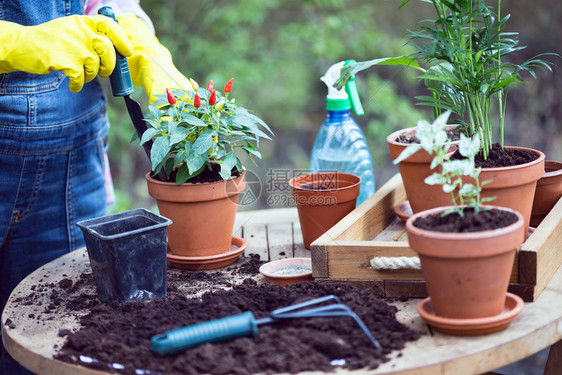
<point x="471" y="222"/>
<point x="501" y="157"/>
<point x="116" y="337"/>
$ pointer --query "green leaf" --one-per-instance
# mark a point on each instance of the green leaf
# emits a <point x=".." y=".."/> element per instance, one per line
<point x="160" y="149"/>
<point x="179" y="134"/>
<point x="352" y="69"/>
<point x="227" y="164"/>
<point x="203" y="142"/>
<point x="252" y="151"/>
<point x="195" y="161"/>
<point x="182" y="174"/>
<point x="180" y="157"/>
<point x="192" y="120"/>
<point x="148" y="135"/>
<point x="435" y="179"/>
<point x="155" y="112"/>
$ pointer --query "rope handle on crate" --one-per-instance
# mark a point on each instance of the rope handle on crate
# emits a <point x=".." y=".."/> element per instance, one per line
<point x="395" y="263"/>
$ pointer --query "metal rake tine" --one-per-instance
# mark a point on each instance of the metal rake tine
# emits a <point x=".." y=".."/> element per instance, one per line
<point x="304" y="304"/>
<point x="334" y="310"/>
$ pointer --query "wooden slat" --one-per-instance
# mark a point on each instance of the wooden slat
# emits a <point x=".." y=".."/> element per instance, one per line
<point x="280" y="240"/>
<point x="256" y="236"/>
<point x="541" y="255"/>
<point x="299" y="251"/>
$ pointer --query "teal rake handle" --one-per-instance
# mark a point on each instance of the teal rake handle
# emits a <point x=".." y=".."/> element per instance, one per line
<point x="120" y="78"/>
<point x="212" y="331"/>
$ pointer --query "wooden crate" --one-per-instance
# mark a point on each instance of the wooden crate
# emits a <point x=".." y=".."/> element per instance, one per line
<point x="344" y="253"/>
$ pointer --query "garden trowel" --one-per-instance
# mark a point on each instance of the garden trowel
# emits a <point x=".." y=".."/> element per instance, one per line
<point x="121" y="85"/>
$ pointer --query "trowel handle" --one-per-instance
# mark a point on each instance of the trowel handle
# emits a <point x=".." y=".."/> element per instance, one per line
<point x="120" y="79"/>
<point x="212" y="331"/>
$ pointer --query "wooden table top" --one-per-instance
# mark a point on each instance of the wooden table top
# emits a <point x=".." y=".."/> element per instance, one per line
<point x="276" y="234"/>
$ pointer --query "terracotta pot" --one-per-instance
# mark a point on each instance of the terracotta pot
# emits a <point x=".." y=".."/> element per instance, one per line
<point x="203" y="214"/>
<point x="548" y="191"/>
<point x="319" y="210"/>
<point x="514" y="187"/>
<point x="414" y="171"/>
<point x="466" y="274"/>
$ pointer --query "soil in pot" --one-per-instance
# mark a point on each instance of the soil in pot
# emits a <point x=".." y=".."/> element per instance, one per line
<point x="470" y="222"/>
<point x="120" y="333"/>
<point x="501" y="157"/>
<point x="452" y="136"/>
<point x="208" y="175"/>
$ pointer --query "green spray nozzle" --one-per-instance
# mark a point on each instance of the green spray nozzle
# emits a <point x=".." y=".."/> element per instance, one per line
<point x="341" y="99"/>
<point x="351" y="91"/>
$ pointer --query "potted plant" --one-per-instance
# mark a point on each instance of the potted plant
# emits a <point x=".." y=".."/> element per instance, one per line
<point x="322" y="200"/>
<point x="465" y="47"/>
<point x="467" y="249"/>
<point x="195" y="136"/>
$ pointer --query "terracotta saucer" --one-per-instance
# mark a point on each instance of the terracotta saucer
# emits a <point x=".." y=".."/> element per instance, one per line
<point x="211" y="262"/>
<point x="287" y="271"/>
<point x="472" y="327"/>
<point x="403" y="210"/>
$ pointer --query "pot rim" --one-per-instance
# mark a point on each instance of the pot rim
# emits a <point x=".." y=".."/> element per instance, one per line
<point x="410" y="227"/>
<point x="556" y="168"/>
<point x="165" y="183"/>
<point x="392" y="136"/>
<point x="293" y="181"/>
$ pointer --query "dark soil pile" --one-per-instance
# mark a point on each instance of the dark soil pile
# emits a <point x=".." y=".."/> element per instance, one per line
<point x="500" y="157"/>
<point x="471" y="222"/>
<point x="116" y="337"/>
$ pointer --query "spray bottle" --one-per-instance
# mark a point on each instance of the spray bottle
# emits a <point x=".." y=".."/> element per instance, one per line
<point x="340" y="144"/>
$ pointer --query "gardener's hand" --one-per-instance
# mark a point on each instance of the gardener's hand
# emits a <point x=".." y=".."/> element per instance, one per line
<point x="80" y="46"/>
<point x="151" y="64"/>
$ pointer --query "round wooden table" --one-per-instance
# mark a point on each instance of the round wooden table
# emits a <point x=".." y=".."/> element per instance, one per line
<point x="276" y="234"/>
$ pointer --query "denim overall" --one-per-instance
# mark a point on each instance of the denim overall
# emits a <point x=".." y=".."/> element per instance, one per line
<point x="51" y="160"/>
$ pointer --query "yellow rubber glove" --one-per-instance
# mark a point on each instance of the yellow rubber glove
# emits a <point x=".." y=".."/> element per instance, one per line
<point x="80" y="46"/>
<point x="151" y="64"/>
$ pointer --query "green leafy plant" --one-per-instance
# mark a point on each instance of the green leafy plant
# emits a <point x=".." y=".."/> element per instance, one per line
<point x="193" y="130"/>
<point x="465" y="48"/>
<point x="452" y="174"/>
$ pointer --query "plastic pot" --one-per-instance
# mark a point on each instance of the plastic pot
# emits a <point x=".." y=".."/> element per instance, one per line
<point x="127" y="254"/>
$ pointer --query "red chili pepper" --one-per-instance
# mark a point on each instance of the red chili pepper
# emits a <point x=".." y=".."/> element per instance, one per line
<point x="213" y="98"/>
<point x="171" y="98"/>
<point x="210" y="86"/>
<point x="228" y="86"/>
<point x="197" y="101"/>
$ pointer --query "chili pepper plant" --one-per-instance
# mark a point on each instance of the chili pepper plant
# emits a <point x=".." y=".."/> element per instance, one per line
<point x="191" y="130"/>
<point x="433" y="139"/>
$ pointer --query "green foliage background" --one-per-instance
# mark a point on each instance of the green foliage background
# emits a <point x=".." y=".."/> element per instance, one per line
<point x="277" y="50"/>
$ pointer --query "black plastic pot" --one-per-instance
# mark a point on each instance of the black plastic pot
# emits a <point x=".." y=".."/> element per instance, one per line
<point x="127" y="253"/>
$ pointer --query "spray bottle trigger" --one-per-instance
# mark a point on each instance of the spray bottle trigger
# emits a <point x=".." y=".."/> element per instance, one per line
<point x="351" y="90"/>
